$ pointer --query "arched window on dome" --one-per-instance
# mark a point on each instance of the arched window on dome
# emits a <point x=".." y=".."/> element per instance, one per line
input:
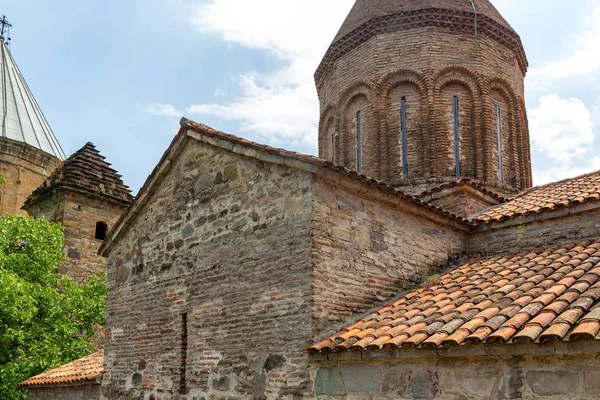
<point x="456" y="135"/>
<point x="403" y="137"/>
<point x="101" y="230"/>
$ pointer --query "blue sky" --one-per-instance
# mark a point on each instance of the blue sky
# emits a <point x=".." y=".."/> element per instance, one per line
<point x="120" y="73"/>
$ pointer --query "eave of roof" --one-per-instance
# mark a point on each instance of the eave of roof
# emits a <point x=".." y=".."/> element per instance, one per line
<point x="538" y="296"/>
<point x="265" y="153"/>
<point x="83" y="371"/>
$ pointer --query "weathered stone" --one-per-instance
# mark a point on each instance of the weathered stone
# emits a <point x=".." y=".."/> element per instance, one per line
<point x="478" y="387"/>
<point x="395" y="380"/>
<point x="329" y="381"/>
<point x="362" y="378"/>
<point x="424" y="384"/>
<point x="548" y="383"/>
<point x="591" y="382"/>
<point x="511" y="385"/>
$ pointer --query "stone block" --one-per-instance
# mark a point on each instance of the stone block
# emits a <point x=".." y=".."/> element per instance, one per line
<point x="549" y="383"/>
<point x="478" y="387"/>
<point x="329" y="382"/>
<point x="395" y="380"/>
<point x="424" y="385"/>
<point x="362" y="378"/>
<point x="511" y="385"/>
<point x="591" y="382"/>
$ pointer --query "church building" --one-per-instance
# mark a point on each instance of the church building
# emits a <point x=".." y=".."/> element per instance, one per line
<point x="412" y="259"/>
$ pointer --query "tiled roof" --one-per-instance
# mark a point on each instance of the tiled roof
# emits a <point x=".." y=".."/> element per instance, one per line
<point x="86" y="171"/>
<point x="463" y="182"/>
<point x="85" y="370"/>
<point x="545" y="295"/>
<point x="565" y="193"/>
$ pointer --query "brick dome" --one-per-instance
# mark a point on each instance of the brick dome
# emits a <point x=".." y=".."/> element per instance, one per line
<point x="418" y="92"/>
<point x="368" y="10"/>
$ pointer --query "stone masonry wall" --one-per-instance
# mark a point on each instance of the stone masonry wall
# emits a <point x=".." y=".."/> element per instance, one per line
<point x="24" y="168"/>
<point x="80" y="215"/>
<point x="514" y="236"/>
<point x="85" y="392"/>
<point x="209" y="289"/>
<point x="551" y="377"/>
<point x="364" y="252"/>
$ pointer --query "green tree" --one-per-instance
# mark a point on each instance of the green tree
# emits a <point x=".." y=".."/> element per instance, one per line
<point x="45" y="321"/>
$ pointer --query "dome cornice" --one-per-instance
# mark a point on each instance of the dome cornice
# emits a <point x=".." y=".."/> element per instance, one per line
<point x="457" y="20"/>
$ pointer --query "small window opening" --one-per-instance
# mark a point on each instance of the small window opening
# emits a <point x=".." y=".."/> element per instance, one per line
<point x="403" y="133"/>
<point x="456" y="137"/>
<point x="101" y="230"/>
<point x="358" y="141"/>
<point x="500" y="166"/>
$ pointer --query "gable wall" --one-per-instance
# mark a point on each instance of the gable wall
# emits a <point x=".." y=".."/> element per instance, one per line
<point x="517" y="235"/>
<point x="225" y="239"/>
<point x="365" y="252"/>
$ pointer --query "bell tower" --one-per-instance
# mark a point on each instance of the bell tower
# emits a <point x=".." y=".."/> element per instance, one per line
<point x="422" y="92"/>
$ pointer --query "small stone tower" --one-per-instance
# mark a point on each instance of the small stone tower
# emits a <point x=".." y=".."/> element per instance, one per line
<point x="420" y="92"/>
<point x="87" y="196"/>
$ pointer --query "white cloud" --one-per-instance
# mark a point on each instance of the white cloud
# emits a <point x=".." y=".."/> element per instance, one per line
<point x="561" y="129"/>
<point x="280" y="107"/>
<point x="163" y="110"/>
<point x="584" y="60"/>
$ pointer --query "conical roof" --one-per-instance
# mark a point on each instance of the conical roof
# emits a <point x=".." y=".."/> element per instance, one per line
<point x="367" y="10"/>
<point x="87" y="172"/>
<point x="22" y="119"/>
<point x="371" y="18"/>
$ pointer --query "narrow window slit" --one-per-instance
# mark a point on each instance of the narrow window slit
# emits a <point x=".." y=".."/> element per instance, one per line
<point x="184" y="345"/>
<point x="403" y="132"/>
<point x="500" y="166"/>
<point x="358" y="141"/>
<point x="456" y="137"/>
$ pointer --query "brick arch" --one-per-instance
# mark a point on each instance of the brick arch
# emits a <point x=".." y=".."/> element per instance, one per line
<point x="327" y="127"/>
<point x="511" y="170"/>
<point x="414" y="86"/>
<point x="357" y="96"/>
<point x="470" y="127"/>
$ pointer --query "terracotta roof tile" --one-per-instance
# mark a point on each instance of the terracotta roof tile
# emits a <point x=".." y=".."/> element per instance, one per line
<point x="505" y="302"/>
<point x="565" y="193"/>
<point x="86" y="370"/>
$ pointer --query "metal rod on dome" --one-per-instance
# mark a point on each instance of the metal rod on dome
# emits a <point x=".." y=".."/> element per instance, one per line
<point x="5" y="25"/>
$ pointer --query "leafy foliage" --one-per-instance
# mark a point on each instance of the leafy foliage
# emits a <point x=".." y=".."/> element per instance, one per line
<point x="45" y="321"/>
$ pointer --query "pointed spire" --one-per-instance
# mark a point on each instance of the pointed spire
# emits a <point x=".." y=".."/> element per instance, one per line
<point x="86" y="172"/>
<point x="21" y="118"/>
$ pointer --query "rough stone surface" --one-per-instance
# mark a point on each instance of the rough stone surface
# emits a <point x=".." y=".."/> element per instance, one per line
<point x="424" y="385"/>
<point x="329" y="381"/>
<point x="548" y="383"/>
<point x="511" y="385"/>
<point x="362" y="378"/>
<point x="440" y="377"/>
<point x="86" y="392"/>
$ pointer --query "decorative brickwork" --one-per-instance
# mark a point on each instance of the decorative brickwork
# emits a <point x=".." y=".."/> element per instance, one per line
<point x="424" y="54"/>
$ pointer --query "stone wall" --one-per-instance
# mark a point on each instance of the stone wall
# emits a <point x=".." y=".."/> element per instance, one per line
<point x="427" y="66"/>
<point x="209" y="289"/>
<point x="516" y="235"/>
<point x="508" y="375"/>
<point x="80" y="215"/>
<point x="83" y="392"/>
<point x="24" y="168"/>
<point x="365" y="251"/>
